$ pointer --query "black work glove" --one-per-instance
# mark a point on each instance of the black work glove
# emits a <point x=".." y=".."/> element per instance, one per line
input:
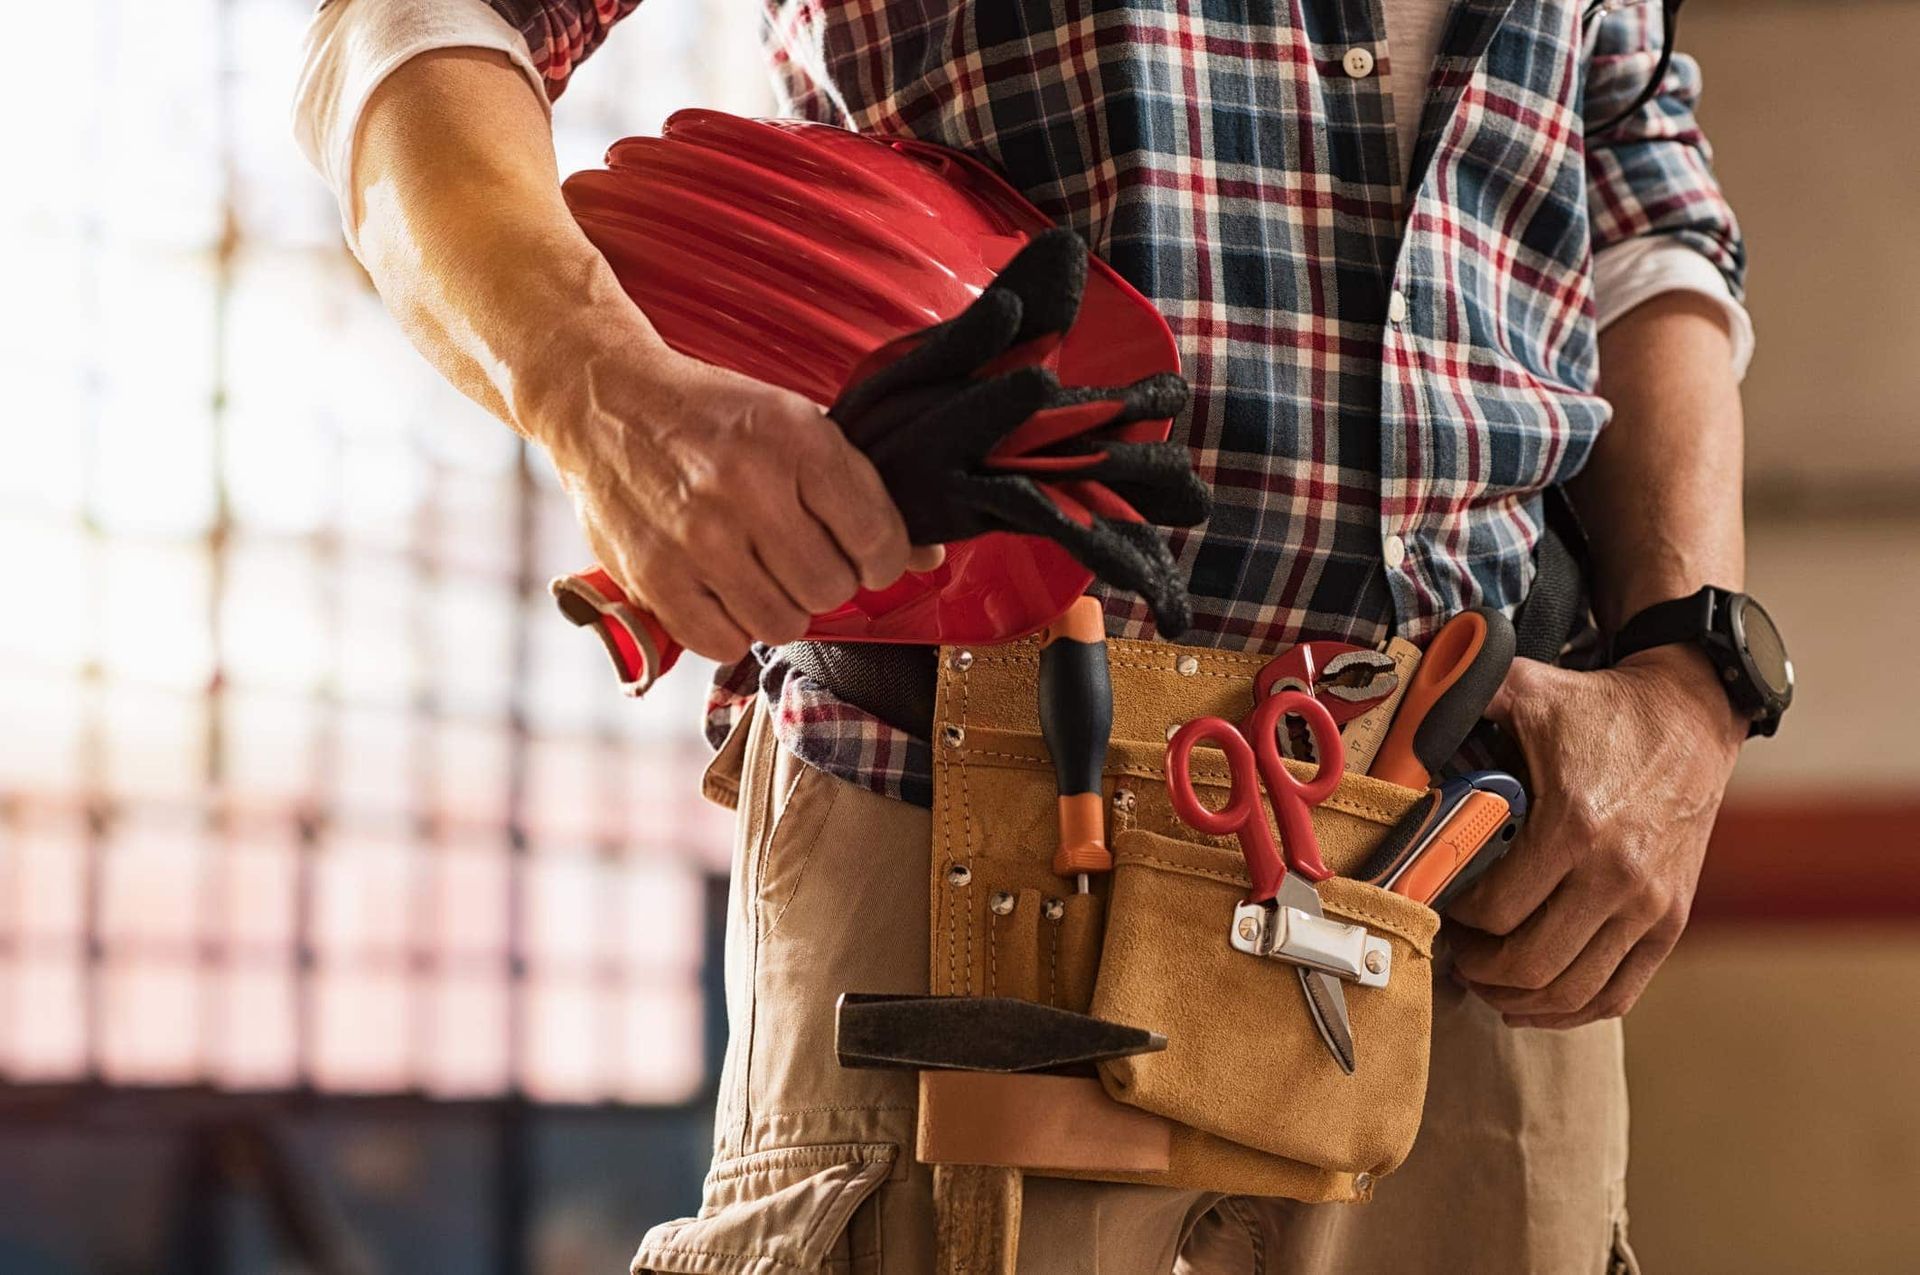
<point x="971" y="437"/>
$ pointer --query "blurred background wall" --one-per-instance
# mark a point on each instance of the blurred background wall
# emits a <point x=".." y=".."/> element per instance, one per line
<point x="1773" y="1129"/>
<point x="346" y="917"/>
<point x="348" y="920"/>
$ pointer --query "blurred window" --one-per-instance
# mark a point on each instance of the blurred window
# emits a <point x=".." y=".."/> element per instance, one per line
<point x="302" y="780"/>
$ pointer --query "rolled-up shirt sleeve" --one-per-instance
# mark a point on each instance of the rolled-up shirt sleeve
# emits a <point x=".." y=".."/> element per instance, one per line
<point x="353" y="45"/>
<point x="1641" y="269"/>
<point x="1661" y="222"/>
<point x="561" y="34"/>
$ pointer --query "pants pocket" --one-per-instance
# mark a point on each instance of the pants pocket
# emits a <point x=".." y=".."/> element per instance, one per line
<point x="772" y="1213"/>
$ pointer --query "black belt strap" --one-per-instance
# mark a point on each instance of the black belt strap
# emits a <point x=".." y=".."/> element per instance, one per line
<point x="1555" y="611"/>
<point x="896" y="683"/>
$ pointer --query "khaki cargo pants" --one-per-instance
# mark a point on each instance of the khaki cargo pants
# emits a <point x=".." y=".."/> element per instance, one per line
<point x="1519" y="1166"/>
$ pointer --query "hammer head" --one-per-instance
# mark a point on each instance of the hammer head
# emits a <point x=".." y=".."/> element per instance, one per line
<point x="977" y="1033"/>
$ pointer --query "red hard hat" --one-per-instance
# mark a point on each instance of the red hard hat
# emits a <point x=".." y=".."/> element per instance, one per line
<point x="791" y="251"/>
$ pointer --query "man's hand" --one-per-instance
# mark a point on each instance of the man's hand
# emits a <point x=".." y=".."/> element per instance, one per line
<point x="732" y="509"/>
<point x="1628" y="767"/>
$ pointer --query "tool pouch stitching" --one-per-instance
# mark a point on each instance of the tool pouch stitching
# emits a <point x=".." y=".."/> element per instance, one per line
<point x="1236" y="1021"/>
<point x="996" y="765"/>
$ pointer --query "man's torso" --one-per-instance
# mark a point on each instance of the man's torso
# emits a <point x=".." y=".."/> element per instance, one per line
<point x="1369" y="474"/>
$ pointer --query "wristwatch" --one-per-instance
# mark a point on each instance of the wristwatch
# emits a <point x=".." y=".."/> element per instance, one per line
<point x="1738" y="636"/>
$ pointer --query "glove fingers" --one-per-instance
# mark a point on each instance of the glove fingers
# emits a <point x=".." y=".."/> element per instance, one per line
<point x="1166" y="591"/>
<point x="1128" y="556"/>
<point x="1083" y="410"/>
<point x="948" y="430"/>
<point x="1186" y="504"/>
<point x="1057" y="424"/>
<point x="1151" y="398"/>
<point x="1155" y="478"/>
<point x="972" y="417"/>
<point x="1048" y="275"/>
<point x="1083" y="502"/>
<point x="950" y="351"/>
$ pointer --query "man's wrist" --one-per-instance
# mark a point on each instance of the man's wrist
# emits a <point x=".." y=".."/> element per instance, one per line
<point x="1694" y="681"/>
<point x="559" y="380"/>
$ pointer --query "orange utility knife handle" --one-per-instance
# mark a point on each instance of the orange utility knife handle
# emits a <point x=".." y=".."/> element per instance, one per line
<point x="1463" y="666"/>
<point x="1472" y="825"/>
<point x="640" y="648"/>
<point x="1076" y="719"/>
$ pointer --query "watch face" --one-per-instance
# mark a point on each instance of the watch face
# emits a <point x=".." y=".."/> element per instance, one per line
<point x="1766" y="652"/>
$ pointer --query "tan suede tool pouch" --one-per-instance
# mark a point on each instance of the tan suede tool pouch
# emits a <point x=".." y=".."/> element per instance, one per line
<point x="1260" y="1107"/>
<point x="1243" y="1058"/>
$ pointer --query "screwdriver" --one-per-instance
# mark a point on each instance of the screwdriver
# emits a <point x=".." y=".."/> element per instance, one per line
<point x="1076" y="720"/>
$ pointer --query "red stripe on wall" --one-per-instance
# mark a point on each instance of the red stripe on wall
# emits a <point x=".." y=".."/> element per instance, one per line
<point x="1813" y="861"/>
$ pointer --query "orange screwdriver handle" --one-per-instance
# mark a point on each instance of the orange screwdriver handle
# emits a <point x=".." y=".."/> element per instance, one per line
<point x="1076" y="719"/>
<point x="1476" y="822"/>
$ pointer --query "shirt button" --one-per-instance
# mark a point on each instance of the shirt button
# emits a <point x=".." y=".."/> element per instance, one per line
<point x="1396" y="551"/>
<point x="1358" y="62"/>
<point x="1397" y="307"/>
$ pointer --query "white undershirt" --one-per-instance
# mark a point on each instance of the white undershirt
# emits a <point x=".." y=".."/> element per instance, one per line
<point x="352" y="45"/>
<point x="1414" y="28"/>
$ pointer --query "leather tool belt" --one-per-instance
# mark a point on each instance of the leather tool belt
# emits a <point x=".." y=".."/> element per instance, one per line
<point x="1256" y="1104"/>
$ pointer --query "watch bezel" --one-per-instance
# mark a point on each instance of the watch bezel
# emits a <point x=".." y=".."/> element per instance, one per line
<point x="1769" y="703"/>
<point x="1714" y="619"/>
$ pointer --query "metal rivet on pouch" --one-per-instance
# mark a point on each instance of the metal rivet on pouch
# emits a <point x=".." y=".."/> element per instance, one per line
<point x="959" y="874"/>
<point x="1053" y="909"/>
<point x="1123" y="800"/>
<point x="952" y="735"/>
<point x="960" y="661"/>
<point x="1001" y="903"/>
<point x="1187" y="665"/>
<point x="1249" y="930"/>
<point x="1376" y="961"/>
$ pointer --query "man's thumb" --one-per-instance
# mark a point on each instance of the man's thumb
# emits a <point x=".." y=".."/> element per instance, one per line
<point x="1525" y="679"/>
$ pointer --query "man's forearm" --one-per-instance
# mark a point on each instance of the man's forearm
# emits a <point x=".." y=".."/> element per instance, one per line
<point x="1660" y="496"/>
<point x="461" y="224"/>
<point x="731" y="508"/>
<point x="1629" y="764"/>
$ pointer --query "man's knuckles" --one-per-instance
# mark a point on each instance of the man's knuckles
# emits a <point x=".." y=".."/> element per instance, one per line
<point x="873" y="536"/>
<point x="1616" y="1008"/>
<point x="695" y="621"/>
<point x="1521" y="972"/>
<point x="1568" y="995"/>
<point x="724" y="645"/>
<point x="768" y="619"/>
<point x="1490" y="909"/>
<point x="823" y="586"/>
<point x="856" y="505"/>
<point x="1577" y="822"/>
<point x="1504" y="963"/>
<point x="1637" y="887"/>
<point x="1564" y="1004"/>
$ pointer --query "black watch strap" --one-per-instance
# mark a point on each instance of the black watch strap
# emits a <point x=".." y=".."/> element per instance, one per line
<point x="1724" y="626"/>
<point x="1689" y="619"/>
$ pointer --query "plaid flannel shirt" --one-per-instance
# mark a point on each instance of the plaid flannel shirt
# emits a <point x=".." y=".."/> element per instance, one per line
<point x="1388" y="368"/>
